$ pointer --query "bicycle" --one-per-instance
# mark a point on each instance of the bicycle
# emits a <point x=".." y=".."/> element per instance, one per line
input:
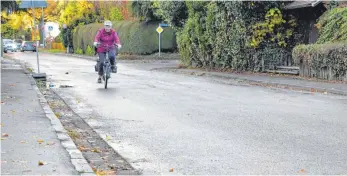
<point x="107" y="69"/>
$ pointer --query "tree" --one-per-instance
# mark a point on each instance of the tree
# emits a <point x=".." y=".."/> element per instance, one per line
<point x="173" y="12"/>
<point x="143" y="10"/>
<point x="52" y="11"/>
<point x="19" y="20"/>
<point x="74" y="10"/>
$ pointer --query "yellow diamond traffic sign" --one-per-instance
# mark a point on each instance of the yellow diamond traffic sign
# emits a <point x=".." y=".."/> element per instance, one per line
<point x="160" y="30"/>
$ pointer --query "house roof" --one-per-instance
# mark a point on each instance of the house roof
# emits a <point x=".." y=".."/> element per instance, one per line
<point x="301" y="4"/>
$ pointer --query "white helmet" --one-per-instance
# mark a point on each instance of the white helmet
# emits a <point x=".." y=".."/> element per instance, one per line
<point x="107" y="23"/>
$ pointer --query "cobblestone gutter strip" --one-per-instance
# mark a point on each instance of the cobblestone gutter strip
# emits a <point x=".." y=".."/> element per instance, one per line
<point x="80" y="163"/>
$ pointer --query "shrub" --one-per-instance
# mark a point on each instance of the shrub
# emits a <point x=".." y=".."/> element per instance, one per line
<point x="136" y="37"/>
<point x="78" y="51"/>
<point x="213" y="36"/>
<point x="90" y="51"/>
<point x="331" y="56"/>
<point x="116" y="14"/>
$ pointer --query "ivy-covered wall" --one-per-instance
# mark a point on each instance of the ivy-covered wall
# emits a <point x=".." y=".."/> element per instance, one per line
<point x="237" y="35"/>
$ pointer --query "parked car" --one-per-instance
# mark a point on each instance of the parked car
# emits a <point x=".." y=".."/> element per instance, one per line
<point x="9" y="45"/>
<point x="28" y="46"/>
<point x="18" y="43"/>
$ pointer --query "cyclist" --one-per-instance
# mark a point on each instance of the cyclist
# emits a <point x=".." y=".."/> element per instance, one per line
<point x="106" y="36"/>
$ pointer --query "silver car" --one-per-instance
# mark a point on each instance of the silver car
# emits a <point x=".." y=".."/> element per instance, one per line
<point x="9" y="45"/>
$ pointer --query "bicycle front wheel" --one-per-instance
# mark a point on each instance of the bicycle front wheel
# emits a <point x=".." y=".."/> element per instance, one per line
<point x="106" y="75"/>
<point x="105" y="82"/>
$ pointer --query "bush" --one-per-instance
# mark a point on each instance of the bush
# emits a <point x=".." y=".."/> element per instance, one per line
<point x="116" y="14"/>
<point x="90" y="51"/>
<point x="78" y="51"/>
<point x="213" y="36"/>
<point x="136" y="37"/>
<point x="332" y="26"/>
<point x="318" y="57"/>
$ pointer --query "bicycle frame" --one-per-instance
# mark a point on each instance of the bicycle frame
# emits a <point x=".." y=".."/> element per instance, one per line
<point x="107" y="66"/>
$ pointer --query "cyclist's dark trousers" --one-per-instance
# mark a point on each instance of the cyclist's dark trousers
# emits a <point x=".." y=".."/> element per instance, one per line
<point x="102" y="56"/>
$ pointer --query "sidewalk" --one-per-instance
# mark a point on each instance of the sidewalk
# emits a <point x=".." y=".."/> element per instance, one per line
<point x="28" y="137"/>
<point x="279" y="81"/>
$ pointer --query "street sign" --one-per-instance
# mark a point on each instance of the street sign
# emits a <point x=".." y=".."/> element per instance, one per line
<point x="50" y="28"/>
<point x="25" y="4"/>
<point x="163" y="25"/>
<point x="159" y="29"/>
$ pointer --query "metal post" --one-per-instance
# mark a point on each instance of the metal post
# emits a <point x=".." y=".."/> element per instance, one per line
<point x="159" y="44"/>
<point x="37" y="43"/>
<point x="43" y="31"/>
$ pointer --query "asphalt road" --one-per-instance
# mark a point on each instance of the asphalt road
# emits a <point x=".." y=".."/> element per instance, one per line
<point x="198" y="125"/>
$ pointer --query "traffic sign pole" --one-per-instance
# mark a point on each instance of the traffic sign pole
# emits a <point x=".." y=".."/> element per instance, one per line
<point x="35" y="4"/>
<point x="37" y="46"/>
<point x="159" y="43"/>
<point x="159" y="30"/>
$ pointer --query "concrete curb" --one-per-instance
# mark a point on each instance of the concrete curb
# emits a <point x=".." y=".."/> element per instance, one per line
<point x="260" y="83"/>
<point x="78" y="161"/>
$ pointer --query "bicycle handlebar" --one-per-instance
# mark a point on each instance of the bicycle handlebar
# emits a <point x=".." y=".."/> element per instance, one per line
<point x="107" y="46"/>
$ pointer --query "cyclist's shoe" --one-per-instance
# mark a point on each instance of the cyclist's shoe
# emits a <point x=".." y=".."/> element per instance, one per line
<point x="99" y="80"/>
<point x="114" y="69"/>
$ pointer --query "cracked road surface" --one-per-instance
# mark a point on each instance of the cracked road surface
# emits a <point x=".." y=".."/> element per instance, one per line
<point x="197" y="125"/>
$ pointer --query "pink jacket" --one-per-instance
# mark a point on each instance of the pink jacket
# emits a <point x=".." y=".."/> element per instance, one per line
<point x="106" y="38"/>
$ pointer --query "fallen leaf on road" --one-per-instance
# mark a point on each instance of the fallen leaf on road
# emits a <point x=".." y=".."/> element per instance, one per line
<point x="41" y="163"/>
<point x="108" y="138"/>
<point x="27" y="171"/>
<point x="95" y="150"/>
<point x="302" y="171"/>
<point x="82" y="148"/>
<point x="2" y="138"/>
<point x="2" y="125"/>
<point x="103" y="172"/>
<point x="2" y="102"/>
<point x="11" y="85"/>
<point x="4" y="135"/>
<point x="325" y="93"/>
<point x="23" y="142"/>
<point x="171" y="169"/>
<point x="112" y="166"/>
<point x="40" y="141"/>
<point x="13" y="111"/>
<point x="50" y="143"/>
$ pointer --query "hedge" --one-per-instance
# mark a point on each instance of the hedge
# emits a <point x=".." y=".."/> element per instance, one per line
<point x="333" y="26"/>
<point x="326" y="61"/>
<point x="136" y="37"/>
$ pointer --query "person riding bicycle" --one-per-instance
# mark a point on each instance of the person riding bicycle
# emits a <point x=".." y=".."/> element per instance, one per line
<point x="106" y="37"/>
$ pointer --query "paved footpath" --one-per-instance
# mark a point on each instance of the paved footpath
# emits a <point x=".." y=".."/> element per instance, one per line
<point x="27" y="135"/>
